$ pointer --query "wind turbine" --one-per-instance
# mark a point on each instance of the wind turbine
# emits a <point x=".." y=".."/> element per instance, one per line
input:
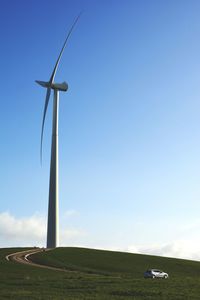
<point x="52" y="227"/>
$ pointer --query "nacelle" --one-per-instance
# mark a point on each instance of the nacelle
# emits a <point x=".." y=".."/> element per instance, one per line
<point x="60" y="86"/>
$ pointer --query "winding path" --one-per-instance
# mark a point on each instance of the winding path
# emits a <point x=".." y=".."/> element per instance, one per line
<point x="23" y="257"/>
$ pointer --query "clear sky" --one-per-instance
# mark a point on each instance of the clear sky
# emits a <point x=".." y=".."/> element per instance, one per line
<point x="129" y="124"/>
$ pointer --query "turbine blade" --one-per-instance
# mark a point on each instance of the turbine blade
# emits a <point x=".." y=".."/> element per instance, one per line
<point x="61" y="52"/>
<point x="42" y="83"/>
<point x="43" y="120"/>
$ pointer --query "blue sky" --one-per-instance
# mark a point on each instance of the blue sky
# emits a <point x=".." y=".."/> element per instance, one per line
<point x="129" y="123"/>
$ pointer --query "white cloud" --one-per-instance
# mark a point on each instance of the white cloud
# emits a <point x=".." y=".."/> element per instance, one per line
<point x="71" y="213"/>
<point x="188" y="249"/>
<point x="68" y="235"/>
<point x="29" y="231"/>
<point x="21" y="229"/>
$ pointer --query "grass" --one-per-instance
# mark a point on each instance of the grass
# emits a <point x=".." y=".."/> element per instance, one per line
<point x="95" y="274"/>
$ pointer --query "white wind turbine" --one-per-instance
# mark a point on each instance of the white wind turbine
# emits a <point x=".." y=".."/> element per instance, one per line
<point x="52" y="227"/>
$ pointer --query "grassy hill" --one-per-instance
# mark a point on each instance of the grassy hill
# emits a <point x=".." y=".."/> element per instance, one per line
<point x="95" y="274"/>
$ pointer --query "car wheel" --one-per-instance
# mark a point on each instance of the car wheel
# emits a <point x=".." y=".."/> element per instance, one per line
<point x="153" y="276"/>
<point x="165" y="277"/>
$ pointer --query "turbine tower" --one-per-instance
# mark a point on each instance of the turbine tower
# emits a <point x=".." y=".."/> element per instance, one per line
<point x="52" y="227"/>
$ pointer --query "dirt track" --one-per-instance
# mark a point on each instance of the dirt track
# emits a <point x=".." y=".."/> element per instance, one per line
<point x="23" y="257"/>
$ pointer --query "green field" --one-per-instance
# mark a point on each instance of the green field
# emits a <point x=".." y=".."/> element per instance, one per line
<point x="95" y="274"/>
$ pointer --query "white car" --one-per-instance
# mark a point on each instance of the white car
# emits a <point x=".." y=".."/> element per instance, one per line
<point x="155" y="273"/>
